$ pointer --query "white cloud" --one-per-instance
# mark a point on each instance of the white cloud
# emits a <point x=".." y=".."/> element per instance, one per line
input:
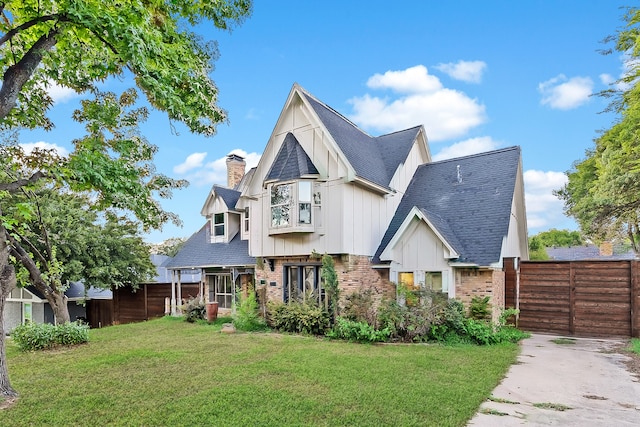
<point x="412" y="80"/>
<point x="607" y="79"/>
<point x="193" y="161"/>
<point x="59" y="94"/>
<point x="467" y="71"/>
<point x="565" y="94"/>
<point x="29" y="146"/>
<point x="445" y="113"/>
<point x="544" y="210"/>
<point x="215" y="172"/>
<point x="466" y="148"/>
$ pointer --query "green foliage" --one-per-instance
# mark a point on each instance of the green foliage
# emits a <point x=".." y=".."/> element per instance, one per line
<point x="194" y="309"/>
<point x="298" y="317"/>
<point x="411" y="322"/>
<point x="330" y="283"/>
<point x="479" y="308"/>
<point x="79" y="43"/>
<point x="247" y="317"/>
<point x="634" y="345"/>
<point x="559" y="238"/>
<point x="351" y="330"/>
<point x="359" y="307"/>
<point x="537" y="251"/>
<point x="40" y="336"/>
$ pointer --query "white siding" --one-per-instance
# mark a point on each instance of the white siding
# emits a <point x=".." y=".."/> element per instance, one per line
<point x="516" y="242"/>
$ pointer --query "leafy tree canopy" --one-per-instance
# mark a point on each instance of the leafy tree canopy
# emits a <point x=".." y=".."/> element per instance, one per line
<point x="76" y="43"/>
<point x="559" y="238"/>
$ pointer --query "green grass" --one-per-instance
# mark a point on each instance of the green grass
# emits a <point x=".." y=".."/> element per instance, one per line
<point x="634" y="345"/>
<point x="169" y="372"/>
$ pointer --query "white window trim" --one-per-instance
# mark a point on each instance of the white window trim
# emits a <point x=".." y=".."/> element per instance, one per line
<point x="294" y="203"/>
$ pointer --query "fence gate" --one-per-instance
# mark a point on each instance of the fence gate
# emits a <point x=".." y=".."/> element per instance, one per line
<point x="584" y="298"/>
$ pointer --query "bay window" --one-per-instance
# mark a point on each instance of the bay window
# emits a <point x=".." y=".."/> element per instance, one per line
<point x="292" y="207"/>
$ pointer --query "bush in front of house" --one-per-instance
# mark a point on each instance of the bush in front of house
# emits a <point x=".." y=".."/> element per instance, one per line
<point x="304" y="317"/>
<point x="351" y="330"/>
<point x="194" y="310"/>
<point x="247" y="317"/>
<point x="40" y="336"/>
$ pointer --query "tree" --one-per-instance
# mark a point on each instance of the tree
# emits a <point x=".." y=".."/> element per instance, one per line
<point x="77" y="43"/>
<point x="603" y="190"/>
<point x="559" y="238"/>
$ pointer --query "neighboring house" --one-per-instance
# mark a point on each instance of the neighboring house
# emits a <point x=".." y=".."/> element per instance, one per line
<point x="28" y="304"/>
<point x="378" y="205"/>
<point x="219" y="251"/>
<point x="605" y="251"/>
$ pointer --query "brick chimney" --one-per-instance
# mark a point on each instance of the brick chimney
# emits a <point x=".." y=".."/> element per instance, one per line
<point x="235" y="170"/>
<point x="606" y="249"/>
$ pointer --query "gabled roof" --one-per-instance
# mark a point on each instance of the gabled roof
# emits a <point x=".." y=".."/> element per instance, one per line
<point x="198" y="252"/>
<point x="468" y="199"/>
<point x="374" y="159"/>
<point x="291" y="162"/>
<point x="229" y="196"/>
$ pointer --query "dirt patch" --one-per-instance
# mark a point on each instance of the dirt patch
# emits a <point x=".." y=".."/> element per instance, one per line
<point x="8" y="403"/>
<point x="632" y="363"/>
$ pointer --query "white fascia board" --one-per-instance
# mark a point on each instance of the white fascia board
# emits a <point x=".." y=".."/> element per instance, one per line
<point x="386" y="254"/>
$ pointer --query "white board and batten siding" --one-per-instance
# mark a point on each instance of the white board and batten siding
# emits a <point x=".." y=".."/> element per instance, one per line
<point x="421" y="251"/>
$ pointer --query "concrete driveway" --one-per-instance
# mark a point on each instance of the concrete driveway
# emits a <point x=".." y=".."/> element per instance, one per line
<point x="569" y="382"/>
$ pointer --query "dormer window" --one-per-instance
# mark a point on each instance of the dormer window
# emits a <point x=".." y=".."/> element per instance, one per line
<point x="291" y="207"/>
<point x="218" y="225"/>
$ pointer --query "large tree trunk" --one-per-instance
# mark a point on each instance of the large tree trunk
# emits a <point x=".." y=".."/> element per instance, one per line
<point x="7" y="284"/>
<point x="54" y="295"/>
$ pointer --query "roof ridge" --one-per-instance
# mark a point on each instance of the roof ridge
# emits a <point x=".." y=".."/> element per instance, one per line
<point x="333" y="110"/>
<point x="468" y="156"/>
<point x="398" y="131"/>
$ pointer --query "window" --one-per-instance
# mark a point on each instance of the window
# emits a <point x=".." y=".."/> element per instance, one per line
<point x="433" y="281"/>
<point x="304" y="202"/>
<point x="221" y="290"/>
<point x="406" y="279"/>
<point x="280" y="205"/>
<point x="27" y="312"/>
<point x="302" y="282"/>
<point x="246" y="219"/>
<point x="218" y="224"/>
<point x="292" y="205"/>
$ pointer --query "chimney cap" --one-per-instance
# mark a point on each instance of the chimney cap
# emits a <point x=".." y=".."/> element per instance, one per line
<point x="233" y="156"/>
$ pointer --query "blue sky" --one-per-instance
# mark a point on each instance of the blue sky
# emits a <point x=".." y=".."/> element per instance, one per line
<point x="479" y="75"/>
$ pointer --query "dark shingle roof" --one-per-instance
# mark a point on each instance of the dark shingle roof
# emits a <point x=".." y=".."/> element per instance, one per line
<point x="198" y="252"/>
<point x="229" y="196"/>
<point x="291" y="162"/>
<point x="589" y="252"/>
<point x="476" y="212"/>
<point x="374" y="159"/>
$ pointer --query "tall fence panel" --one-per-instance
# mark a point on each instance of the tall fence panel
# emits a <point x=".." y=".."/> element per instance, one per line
<point x="585" y="298"/>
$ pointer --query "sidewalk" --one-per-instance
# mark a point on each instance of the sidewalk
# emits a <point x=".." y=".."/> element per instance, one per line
<point x="570" y="382"/>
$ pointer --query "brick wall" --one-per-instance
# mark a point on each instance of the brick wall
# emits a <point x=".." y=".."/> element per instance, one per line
<point x="472" y="282"/>
<point x="354" y="273"/>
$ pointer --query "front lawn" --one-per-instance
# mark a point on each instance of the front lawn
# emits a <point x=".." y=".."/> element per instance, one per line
<point x="169" y="372"/>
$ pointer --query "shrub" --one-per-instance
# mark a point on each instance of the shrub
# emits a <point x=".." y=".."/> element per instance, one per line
<point x="351" y="330"/>
<point x="194" y="310"/>
<point x="412" y="322"/>
<point x="359" y="307"/>
<point x="298" y="317"/>
<point x="39" y="336"/>
<point x="247" y="318"/>
<point x="479" y="308"/>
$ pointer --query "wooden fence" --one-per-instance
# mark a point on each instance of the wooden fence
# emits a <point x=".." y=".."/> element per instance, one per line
<point x="129" y="306"/>
<point x="583" y="298"/>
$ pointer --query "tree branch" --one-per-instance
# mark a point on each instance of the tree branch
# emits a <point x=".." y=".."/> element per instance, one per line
<point x="35" y="277"/>
<point x="17" y="184"/>
<point x="32" y="248"/>
<point x="17" y="75"/>
<point x="9" y="35"/>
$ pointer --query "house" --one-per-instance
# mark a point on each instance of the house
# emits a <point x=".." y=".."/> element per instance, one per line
<point x="379" y="206"/>
<point x="606" y="251"/>
<point x="29" y="305"/>
<point x="219" y="251"/>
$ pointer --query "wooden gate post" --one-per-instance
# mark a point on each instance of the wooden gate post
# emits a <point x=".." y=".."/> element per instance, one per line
<point x="633" y="285"/>
<point x="572" y="298"/>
